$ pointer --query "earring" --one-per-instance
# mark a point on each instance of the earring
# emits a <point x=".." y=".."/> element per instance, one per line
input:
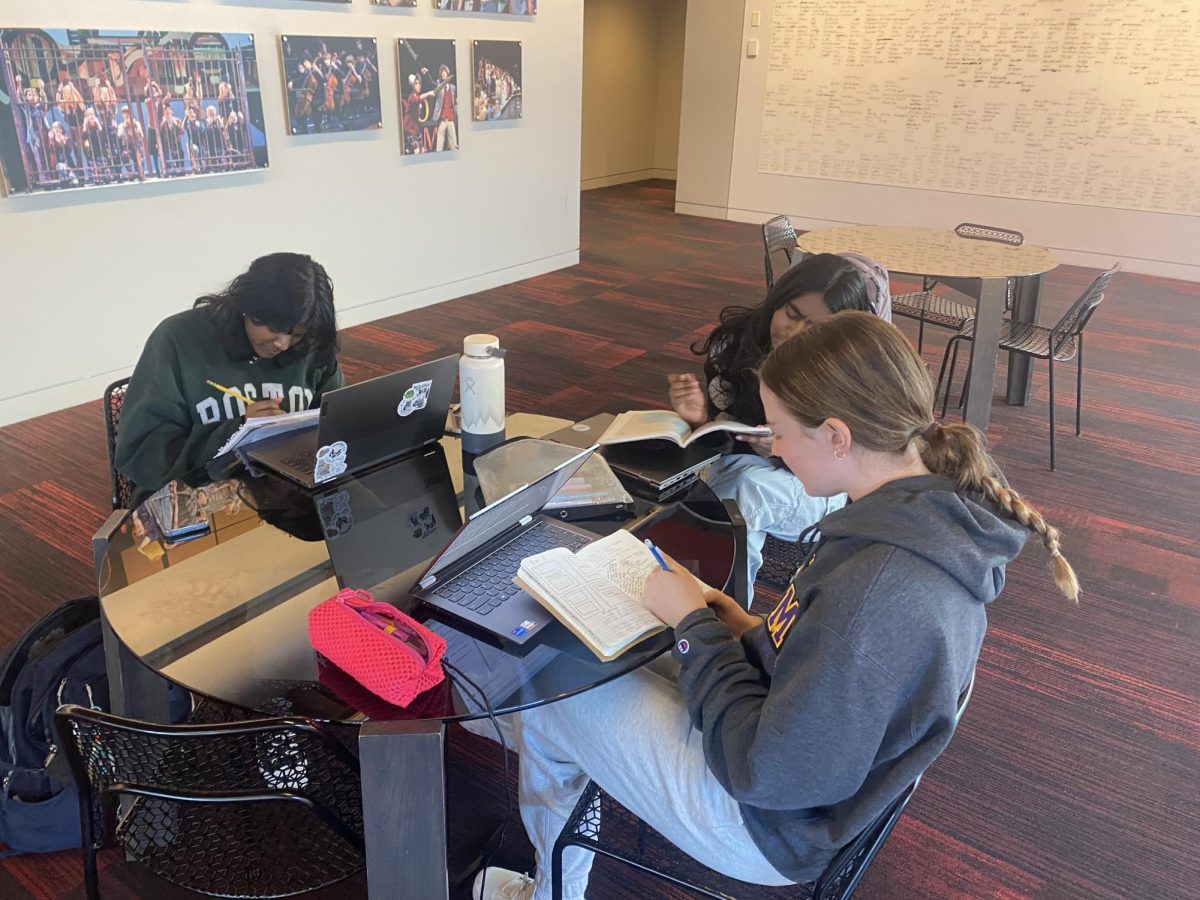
<point x="839" y="455"/>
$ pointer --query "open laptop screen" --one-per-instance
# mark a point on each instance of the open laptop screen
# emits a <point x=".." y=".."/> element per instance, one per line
<point x="506" y="512"/>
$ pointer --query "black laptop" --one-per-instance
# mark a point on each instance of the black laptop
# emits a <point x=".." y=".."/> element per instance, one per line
<point x="471" y="579"/>
<point x="660" y="467"/>
<point x="364" y="424"/>
<point x="383" y="527"/>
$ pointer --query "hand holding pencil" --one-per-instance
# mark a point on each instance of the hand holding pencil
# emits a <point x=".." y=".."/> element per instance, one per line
<point x="254" y="408"/>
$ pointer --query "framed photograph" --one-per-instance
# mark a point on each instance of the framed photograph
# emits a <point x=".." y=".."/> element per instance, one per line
<point x="500" y="7"/>
<point x="395" y="2"/>
<point x="331" y="83"/>
<point x="82" y="108"/>
<point x="496" y="93"/>
<point x="428" y="95"/>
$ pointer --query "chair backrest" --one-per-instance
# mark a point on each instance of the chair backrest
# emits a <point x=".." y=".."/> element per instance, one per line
<point x="778" y="236"/>
<point x="111" y="755"/>
<point x="989" y="233"/>
<point x="1080" y="312"/>
<point x="114" y="398"/>
<point x="847" y="868"/>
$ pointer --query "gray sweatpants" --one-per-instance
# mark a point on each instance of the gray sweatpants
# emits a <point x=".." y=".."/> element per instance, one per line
<point x="634" y="738"/>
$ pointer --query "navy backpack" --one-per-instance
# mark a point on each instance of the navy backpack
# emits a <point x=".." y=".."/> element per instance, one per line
<point x="60" y="659"/>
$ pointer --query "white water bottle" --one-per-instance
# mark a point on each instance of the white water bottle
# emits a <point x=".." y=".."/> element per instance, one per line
<point x="481" y="392"/>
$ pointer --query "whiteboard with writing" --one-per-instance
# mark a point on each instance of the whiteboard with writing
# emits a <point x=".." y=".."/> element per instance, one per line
<point x="1078" y="101"/>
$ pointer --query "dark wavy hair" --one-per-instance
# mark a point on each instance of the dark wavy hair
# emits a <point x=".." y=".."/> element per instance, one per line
<point x="738" y="345"/>
<point x="281" y="291"/>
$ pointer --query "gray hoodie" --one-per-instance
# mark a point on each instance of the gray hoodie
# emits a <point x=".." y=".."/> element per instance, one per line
<point x="815" y="722"/>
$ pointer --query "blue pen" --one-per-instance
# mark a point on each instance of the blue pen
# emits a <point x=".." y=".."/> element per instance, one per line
<point x="658" y="556"/>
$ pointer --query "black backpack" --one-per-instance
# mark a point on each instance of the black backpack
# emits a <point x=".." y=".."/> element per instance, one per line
<point x="60" y="659"/>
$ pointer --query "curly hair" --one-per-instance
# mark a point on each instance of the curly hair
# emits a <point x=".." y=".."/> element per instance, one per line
<point x="741" y="341"/>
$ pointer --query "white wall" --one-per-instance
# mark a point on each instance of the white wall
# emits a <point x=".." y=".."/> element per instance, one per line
<point x="88" y="273"/>
<point x="1154" y="243"/>
<point x="632" y="81"/>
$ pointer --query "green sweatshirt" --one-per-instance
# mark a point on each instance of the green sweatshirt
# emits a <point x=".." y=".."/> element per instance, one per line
<point x="172" y="421"/>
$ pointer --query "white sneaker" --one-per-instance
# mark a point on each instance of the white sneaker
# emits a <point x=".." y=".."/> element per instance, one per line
<point x="502" y="884"/>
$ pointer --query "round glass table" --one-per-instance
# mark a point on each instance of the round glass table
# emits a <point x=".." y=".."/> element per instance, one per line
<point x="210" y="588"/>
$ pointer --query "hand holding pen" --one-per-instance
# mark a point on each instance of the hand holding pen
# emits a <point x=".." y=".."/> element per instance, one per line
<point x="671" y="590"/>
<point x="657" y="556"/>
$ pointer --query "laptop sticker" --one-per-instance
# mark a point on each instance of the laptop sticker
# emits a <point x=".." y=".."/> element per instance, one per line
<point x="336" y="517"/>
<point x="331" y="462"/>
<point x="422" y="523"/>
<point x="414" y="398"/>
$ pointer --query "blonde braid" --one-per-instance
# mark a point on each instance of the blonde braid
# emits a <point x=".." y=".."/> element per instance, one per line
<point x="1014" y="504"/>
<point x="857" y="368"/>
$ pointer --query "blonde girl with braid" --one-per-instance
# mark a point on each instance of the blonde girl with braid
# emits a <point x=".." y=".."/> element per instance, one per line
<point x="861" y="387"/>
<point x="776" y="740"/>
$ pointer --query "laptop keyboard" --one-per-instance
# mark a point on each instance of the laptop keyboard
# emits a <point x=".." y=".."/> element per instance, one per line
<point x="485" y="585"/>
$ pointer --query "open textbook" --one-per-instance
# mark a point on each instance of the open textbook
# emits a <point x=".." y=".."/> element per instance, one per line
<point x="262" y="427"/>
<point x="596" y="592"/>
<point x="662" y="424"/>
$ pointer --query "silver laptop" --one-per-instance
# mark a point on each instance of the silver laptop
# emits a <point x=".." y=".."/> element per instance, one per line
<point x="471" y="579"/>
<point x="364" y="424"/>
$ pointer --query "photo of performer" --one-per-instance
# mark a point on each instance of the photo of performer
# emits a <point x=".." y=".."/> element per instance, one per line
<point x="154" y="113"/>
<point x="131" y="141"/>
<point x="500" y="7"/>
<point x="31" y="122"/>
<point x="331" y="83"/>
<point x="92" y="107"/>
<point x="429" y="92"/>
<point x="98" y="150"/>
<point x="170" y="135"/>
<point x="497" y="88"/>
<point x="61" y="152"/>
<point x="213" y="135"/>
<point x="193" y="132"/>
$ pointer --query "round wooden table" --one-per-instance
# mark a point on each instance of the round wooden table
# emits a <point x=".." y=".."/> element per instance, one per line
<point x="940" y="253"/>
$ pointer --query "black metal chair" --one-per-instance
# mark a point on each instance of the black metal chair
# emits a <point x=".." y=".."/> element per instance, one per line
<point x="656" y="857"/>
<point x="262" y="808"/>
<point x="926" y="306"/>
<point x="778" y="237"/>
<point x="121" y="486"/>
<point x="1057" y="344"/>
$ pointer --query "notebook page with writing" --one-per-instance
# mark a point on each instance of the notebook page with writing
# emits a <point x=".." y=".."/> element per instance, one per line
<point x="623" y="560"/>
<point x="599" y="611"/>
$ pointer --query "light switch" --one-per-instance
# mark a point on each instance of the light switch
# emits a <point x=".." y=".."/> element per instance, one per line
<point x="755" y="19"/>
<point x="752" y="47"/>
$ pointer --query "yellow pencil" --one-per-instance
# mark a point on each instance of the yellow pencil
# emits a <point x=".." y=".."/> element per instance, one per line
<point x="231" y="392"/>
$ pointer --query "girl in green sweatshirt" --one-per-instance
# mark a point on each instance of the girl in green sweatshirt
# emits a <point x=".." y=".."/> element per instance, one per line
<point x="271" y="335"/>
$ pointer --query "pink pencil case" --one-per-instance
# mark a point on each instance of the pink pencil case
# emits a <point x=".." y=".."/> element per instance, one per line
<point x="389" y="653"/>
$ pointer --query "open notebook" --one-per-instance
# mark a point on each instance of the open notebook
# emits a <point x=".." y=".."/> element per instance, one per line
<point x="596" y="592"/>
